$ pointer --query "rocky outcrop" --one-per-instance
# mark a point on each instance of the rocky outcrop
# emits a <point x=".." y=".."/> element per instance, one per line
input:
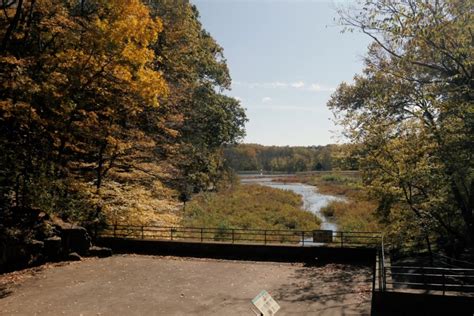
<point x="53" y="248"/>
<point x="73" y="256"/>
<point x="100" y="252"/>
<point x="75" y="239"/>
<point x="30" y="237"/>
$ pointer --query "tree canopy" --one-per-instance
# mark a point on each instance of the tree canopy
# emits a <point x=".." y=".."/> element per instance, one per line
<point x="411" y="114"/>
<point x="104" y="103"/>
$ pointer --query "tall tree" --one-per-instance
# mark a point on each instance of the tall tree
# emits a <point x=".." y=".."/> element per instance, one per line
<point x="412" y="112"/>
<point x="75" y="77"/>
<point x="197" y="74"/>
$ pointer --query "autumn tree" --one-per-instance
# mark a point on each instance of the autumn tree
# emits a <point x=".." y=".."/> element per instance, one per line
<point x="110" y="107"/>
<point x="411" y="115"/>
<point x="76" y="75"/>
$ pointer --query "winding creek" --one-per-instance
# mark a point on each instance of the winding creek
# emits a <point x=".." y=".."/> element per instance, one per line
<point x="312" y="200"/>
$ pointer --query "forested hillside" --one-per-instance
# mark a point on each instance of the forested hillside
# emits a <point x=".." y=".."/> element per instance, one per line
<point x="289" y="159"/>
<point x="110" y="109"/>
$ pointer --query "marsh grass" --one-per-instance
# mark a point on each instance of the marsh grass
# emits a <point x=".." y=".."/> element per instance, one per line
<point x="357" y="212"/>
<point x="249" y="207"/>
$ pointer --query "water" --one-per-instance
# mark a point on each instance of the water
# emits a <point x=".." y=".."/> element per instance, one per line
<point x="312" y="200"/>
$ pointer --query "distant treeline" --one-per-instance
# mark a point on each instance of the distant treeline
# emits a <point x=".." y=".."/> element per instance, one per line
<point x="254" y="157"/>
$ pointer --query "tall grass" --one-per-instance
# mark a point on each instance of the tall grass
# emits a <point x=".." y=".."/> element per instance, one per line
<point x="249" y="207"/>
<point x="353" y="215"/>
<point x="357" y="213"/>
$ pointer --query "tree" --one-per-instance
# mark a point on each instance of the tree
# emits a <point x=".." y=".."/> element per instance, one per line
<point x="76" y="76"/>
<point x="197" y="73"/>
<point x="411" y="113"/>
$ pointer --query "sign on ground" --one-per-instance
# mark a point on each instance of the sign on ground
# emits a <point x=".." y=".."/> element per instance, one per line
<point x="265" y="303"/>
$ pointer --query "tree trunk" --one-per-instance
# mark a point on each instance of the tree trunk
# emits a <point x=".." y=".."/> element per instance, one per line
<point x="12" y="25"/>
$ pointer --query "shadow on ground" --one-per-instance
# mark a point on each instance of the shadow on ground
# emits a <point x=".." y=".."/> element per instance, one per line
<point x="4" y="291"/>
<point x="331" y="288"/>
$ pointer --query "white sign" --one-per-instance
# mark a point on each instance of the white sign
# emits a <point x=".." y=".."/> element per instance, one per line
<point x="265" y="303"/>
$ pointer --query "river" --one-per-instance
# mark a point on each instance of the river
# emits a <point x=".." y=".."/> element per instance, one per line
<point x="312" y="200"/>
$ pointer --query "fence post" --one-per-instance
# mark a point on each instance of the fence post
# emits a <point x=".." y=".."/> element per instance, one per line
<point x="384" y="278"/>
<point x="201" y="234"/>
<point x="342" y="239"/>
<point x="115" y="229"/>
<point x="302" y="238"/>
<point x="264" y="237"/>
<point x="171" y="233"/>
<point x="233" y="238"/>
<point x="374" y="273"/>
<point x="143" y="236"/>
<point x="444" y="283"/>
<point x="423" y="276"/>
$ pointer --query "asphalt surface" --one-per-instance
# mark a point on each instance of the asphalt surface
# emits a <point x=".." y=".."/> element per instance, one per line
<point x="147" y="285"/>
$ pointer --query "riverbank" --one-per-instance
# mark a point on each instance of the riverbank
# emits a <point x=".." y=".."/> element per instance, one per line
<point x="357" y="210"/>
<point x="338" y="198"/>
<point x="313" y="200"/>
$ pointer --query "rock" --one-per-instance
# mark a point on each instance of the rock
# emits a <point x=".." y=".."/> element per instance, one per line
<point x="100" y="252"/>
<point x="43" y="216"/>
<point x="76" y="239"/>
<point x="35" y="246"/>
<point x="35" y="252"/>
<point x="73" y="256"/>
<point x="52" y="247"/>
<point x="13" y="255"/>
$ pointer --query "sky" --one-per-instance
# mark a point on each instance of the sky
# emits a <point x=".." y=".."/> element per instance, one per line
<point x="286" y="58"/>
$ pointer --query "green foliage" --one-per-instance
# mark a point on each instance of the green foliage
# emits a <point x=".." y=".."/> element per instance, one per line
<point x="410" y="115"/>
<point x="249" y="207"/>
<point x="195" y="69"/>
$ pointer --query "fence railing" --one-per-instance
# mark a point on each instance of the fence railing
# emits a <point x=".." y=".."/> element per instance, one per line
<point x="386" y="277"/>
<point x="438" y="280"/>
<point x="257" y="236"/>
<point x="430" y="279"/>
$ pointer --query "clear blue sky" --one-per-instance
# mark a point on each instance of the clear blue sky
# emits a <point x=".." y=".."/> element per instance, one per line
<point x="285" y="59"/>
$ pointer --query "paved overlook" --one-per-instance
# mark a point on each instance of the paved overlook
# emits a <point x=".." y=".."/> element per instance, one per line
<point x="148" y="285"/>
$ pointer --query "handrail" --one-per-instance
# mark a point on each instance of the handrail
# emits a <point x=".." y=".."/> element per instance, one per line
<point x="409" y="278"/>
<point x="265" y="236"/>
<point x="432" y="268"/>
<point x="384" y="277"/>
<point x="243" y="229"/>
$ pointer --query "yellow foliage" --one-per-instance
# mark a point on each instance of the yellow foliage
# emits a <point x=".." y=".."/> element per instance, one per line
<point x="139" y="205"/>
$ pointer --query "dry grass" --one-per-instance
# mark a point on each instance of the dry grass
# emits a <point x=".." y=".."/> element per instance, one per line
<point x="250" y="207"/>
<point x="357" y="213"/>
<point x="353" y="215"/>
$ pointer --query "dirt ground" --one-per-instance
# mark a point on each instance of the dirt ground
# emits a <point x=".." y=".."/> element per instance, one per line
<point x="147" y="285"/>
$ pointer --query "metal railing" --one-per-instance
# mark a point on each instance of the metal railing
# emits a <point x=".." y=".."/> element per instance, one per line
<point x="431" y="279"/>
<point x="256" y="236"/>
<point x="442" y="280"/>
